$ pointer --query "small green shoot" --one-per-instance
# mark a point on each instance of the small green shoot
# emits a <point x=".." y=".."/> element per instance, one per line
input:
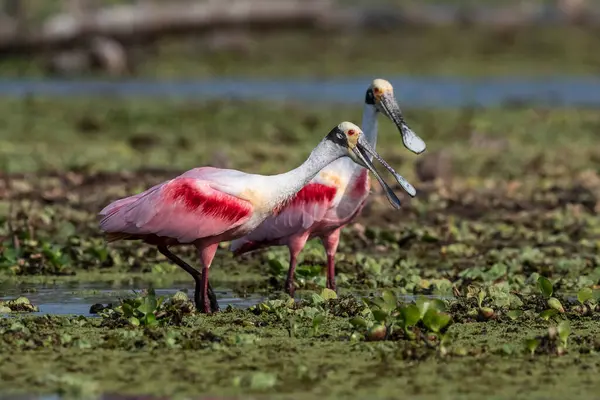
<point x="555" y="304"/>
<point x="545" y="286"/>
<point x="564" y="330"/>
<point x="480" y="297"/>
<point x="532" y="345"/>
<point x="316" y="322"/>
<point x="547" y="314"/>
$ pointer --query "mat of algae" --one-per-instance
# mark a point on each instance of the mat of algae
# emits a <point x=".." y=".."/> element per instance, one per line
<point x="516" y="199"/>
<point x="303" y="351"/>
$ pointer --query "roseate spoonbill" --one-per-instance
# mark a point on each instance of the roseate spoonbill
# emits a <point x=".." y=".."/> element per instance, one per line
<point x="205" y="206"/>
<point x="334" y="197"/>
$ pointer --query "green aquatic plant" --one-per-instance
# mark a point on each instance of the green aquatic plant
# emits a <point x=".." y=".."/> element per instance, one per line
<point x="547" y="290"/>
<point x="553" y="342"/>
<point x="564" y="330"/>
<point x="385" y="318"/>
<point x="148" y="310"/>
<point x="588" y="301"/>
<point x="584" y="295"/>
<point x="18" y="305"/>
<point x="545" y="287"/>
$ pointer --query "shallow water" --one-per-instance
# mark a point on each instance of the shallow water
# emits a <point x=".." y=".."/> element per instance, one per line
<point x="436" y="92"/>
<point x="77" y="298"/>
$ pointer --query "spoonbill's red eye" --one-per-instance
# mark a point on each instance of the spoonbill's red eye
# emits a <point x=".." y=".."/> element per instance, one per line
<point x="351" y="132"/>
<point x="376" y="90"/>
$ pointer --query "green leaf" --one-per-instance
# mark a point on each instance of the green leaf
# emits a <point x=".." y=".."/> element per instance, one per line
<point x="127" y="310"/>
<point x="545" y="286"/>
<point x="554" y="303"/>
<point x="547" y="314"/>
<point x="389" y="299"/>
<point x="585" y="294"/>
<point x="359" y="322"/>
<point x="380" y="315"/>
<point x="317" y="320"/>
<point x="149" y="320"/>
<point x="316" y="299"/>
<point x="378" y="302"/>
<point x="410" y="315"/>
<point x="532" y="344"/>
<point x="134" y="321"/>
<point x="422" y="304"/>
<point x="480" y="296"/>
<point x="436" y="321"/>
<point x="328" y="294"/>
<point x="514" y="314"/>
<point x="564" y="330"/>
<point x="438" y="304"/>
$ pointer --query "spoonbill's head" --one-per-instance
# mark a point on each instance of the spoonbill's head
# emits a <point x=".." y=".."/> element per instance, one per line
<point x="353" y="143"/>
<point x="380" y="95"/>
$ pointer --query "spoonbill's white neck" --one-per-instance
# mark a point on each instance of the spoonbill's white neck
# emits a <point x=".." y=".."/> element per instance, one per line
<point x="286" y="185"/>
<point x="369" y="125"/>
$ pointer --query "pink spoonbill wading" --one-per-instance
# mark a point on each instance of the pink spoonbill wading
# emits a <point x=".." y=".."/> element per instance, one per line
<point x="334" y="197"/>
<point x="205" y="206"/>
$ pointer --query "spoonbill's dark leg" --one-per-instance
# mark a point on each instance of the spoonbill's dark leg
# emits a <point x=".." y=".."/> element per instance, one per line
<point x="289" y="283"/>
<point x="206" y="256"/>
<point x="197" y="279"/>
<point x="330" y="242"/>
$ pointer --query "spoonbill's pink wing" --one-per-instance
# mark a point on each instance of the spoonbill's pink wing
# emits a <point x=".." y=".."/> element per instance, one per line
<point x="306" y="208"/>
<point x="202" y="173"/>
<point x="183" y="208"/>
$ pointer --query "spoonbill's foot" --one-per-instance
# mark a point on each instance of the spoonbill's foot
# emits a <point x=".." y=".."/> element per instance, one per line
<point x="331" y="284"/>
<point x="290" y="288"/>
<point x="208" y="300"/>
<point x="214" y="305"/>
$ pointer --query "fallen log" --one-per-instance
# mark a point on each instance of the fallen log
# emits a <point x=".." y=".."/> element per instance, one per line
<point x="148" y="21"/>
<point x="130" y="23"/>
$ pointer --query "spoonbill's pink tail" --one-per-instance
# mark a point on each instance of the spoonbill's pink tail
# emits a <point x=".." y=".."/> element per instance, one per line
<point x="111" y="223"/>
<point x="116" y="205"/>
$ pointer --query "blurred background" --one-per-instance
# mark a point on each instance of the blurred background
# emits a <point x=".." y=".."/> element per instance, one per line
<point x="124" y="85"/>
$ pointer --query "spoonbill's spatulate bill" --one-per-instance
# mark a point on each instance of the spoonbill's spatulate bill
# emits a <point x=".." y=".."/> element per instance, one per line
<point x="334" y="197"/>
<point x="205" y="206"/>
